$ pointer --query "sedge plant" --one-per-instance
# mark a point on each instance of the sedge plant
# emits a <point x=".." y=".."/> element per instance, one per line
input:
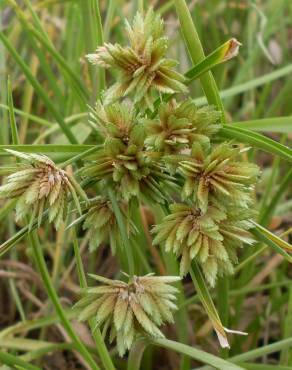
<point x="159" y="180"/>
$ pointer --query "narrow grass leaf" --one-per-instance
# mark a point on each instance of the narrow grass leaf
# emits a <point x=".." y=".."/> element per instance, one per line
<point x="274" y="124"/>
<point x="256" y="140"/>
<point x="38" y="88"/>
<point x="270" y="242"/>
<point x="48" y="148"/>
<point x="196" y="354"/>
<point x="274" y="238"/>
<point x="223" y="53"/>
<point x="14" y="133"/>
<point x="196" y="52"/>
<point x="208" y="304"/>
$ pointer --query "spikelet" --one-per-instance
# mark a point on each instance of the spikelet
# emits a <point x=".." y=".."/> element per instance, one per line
<point x="179" y="125"/>
<point x="211" y="237"/>
<point x="101" y="223"/>
<point x="142" y="65"/>
<point x="218" y="172"/>
<point x="128" y="310"/>
<point x="123" y="159"/>
<point x="39" y="185"/>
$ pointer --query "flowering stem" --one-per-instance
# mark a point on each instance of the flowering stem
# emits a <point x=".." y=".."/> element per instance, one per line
<point x="100" y="345"/>
<point x="196" y="52"/>
<point x="136" y="354"/>
<point x="123" y="231"/>
<point x="41" y="263"/>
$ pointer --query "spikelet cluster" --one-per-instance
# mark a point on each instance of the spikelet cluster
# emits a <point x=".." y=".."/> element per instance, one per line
<point x="101" y="223"/>
<point x="218" y="189"/>
<point x="39" y="184"/>
<point x="127" y="310"/>
<point x="179" y="125"/>
<point x="123" y="159"/>
<point x="211" y="237"/>
<point x="218" y="172"/>
<point x="142" y="65"/>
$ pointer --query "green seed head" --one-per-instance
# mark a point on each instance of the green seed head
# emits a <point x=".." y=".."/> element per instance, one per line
<point x="124" y="160"/>
<point x="142" y="64"/>
<point x="217" y="172"/>
<point x="179" y="125"/>
<point x="210" y="237"/>
<point x="127" y="310"/>
<point x="39" y="185"/>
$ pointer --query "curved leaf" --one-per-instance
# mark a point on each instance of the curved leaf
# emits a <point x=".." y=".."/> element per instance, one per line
<point x="256" y="140"/>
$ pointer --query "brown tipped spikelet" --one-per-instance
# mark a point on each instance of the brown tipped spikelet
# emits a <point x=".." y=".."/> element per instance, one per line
<point x="179" y="125"/>
<point x="128" y="310"/>
<point x="142" y="65"/>
<point x="211" y="237"/>
<point x="39" y="185"/>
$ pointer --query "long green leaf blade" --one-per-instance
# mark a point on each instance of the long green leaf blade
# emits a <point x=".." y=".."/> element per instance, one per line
<point x="39" y="89"/>
<point x="256" y="140"/>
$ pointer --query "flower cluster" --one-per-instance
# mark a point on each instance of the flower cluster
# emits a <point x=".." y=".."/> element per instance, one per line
<point x="123" y="160"/>
<point x="39" y="185"/>
<point x="211" y="237"/>
<point x="218" y="172"/>
<point x="172" y="155"/>
<point x="142" y="65"/>
<point x="130" y="309"/>
<point x="179" y="125"/>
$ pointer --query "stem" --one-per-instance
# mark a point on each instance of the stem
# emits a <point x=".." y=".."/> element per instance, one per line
<point x="11" y="360"/>
<point x="40" y="260"/>
<point x="100" y="345"/>
<point x="123" y="231"/>
<point x="136" y="354"/>
<point x="93" y="37"/>
<point x="196" y="52"/>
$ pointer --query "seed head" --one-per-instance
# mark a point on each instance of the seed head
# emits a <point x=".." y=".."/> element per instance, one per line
<point x="179" y="125"/>
<point x="218" y="172"/>
<point x="39" y="185"/>
<point x="211" y="237"/>
<point x="130" y="309"/>
<point x="142" y="65"/>
<point x="123" y="160"/>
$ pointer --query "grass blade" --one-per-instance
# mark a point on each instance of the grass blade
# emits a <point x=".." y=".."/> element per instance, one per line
<point x="48" y="148"/>
<point x="280" y="245"/>
<point x="196" y="354"/>
<point x="16" y="362"/>
<point x="39" y="89"/>
<point x="208" y="304"/>
<point x="223" y="53"/>
<point x="93" y="37"/>
<point x="275" y="124"/>
<point x="196" y="52"/>
<point x="256" y="140"/>
<point x="14" y="132"/>
<point x="250" y="85"/>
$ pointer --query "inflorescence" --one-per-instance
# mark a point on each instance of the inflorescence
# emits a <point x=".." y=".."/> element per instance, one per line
<point x="167" y="157"/>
